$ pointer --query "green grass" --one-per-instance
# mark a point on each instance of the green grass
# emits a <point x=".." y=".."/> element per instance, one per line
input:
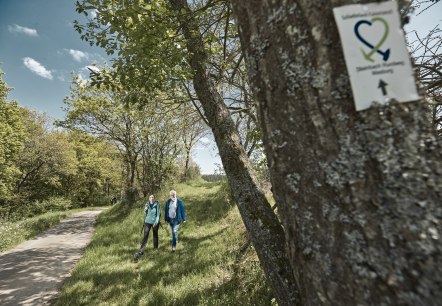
<point x="14" y="233"/>
<point x="207" y="269"/>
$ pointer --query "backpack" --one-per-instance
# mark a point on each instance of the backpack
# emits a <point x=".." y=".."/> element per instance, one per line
<point x="156" y="211"/>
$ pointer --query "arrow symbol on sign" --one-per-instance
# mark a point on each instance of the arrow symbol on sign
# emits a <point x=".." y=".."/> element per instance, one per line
<point x="382" y="86"/>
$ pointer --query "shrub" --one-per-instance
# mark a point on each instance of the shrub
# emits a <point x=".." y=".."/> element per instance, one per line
<point x="39" y="207"/>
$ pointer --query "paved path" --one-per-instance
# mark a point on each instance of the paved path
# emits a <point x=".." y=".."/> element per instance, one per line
<point x="32" y="273"/>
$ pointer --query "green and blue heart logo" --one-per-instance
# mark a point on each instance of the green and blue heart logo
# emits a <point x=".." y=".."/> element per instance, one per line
<point x="375" y="48"/>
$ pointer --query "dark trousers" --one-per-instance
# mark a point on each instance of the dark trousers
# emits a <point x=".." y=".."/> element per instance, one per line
<point x="147" y="228"/>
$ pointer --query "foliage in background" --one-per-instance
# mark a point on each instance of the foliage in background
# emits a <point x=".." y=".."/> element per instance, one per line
<point x="151" y="133"/>
<point x="12" y="136"/>
<point x="213" y="177"/>
<point x="98" y="175"/>
<point x="113" y="147"/>
<point x="37" y="207"/>
<point x="45" y="169"/>
<point x="46" y="161"/>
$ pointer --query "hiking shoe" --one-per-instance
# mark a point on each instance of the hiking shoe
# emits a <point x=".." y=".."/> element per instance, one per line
<point x="173" y="249"/>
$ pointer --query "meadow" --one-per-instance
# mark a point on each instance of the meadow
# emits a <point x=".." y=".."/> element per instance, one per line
<point x="214" y="263"/>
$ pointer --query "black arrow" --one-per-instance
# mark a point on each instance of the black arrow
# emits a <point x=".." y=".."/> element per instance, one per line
<point x="382" y="86"/>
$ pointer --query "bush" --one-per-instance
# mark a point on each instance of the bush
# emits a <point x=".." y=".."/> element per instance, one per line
<point x="98" y="200"/>
<point x="193" y="172"/>
<point x="51" y="204"/>
<point x="39" y="207"/>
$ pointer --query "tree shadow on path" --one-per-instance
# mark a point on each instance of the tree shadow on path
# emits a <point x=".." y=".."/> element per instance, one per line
<point x="32" y="272"/>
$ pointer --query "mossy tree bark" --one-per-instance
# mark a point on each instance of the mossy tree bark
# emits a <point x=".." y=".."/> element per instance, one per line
<point x="265" y="230"/>
<point x="359" y="192"/>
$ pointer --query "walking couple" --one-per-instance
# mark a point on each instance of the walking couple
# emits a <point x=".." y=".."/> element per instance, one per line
<point x="175" y="215"/>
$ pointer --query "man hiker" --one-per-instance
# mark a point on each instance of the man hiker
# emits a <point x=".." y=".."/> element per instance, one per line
<point x="175" y="215"/>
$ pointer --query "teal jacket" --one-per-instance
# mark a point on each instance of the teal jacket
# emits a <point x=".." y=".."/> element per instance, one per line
<point x="152" y="212"/>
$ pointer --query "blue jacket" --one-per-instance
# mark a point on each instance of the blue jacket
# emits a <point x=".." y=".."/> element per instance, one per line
<point x="180" y="211"/>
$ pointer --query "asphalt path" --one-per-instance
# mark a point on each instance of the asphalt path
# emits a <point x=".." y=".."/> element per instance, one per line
<point x="33" y="272"/>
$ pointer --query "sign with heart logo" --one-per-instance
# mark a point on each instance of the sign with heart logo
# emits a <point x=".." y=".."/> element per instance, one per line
<point x="375" y="53"/>
<point x="374" y="48"/>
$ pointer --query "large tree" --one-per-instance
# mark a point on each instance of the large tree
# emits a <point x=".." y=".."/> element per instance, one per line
<point x="161" y="145"/>
<point x="46" y="162"/>
<point x="193" y="130"/>
<point x="137" y="123"/>
<point x="160" y="42"/>
<point x="359" y="192"/>
<point x="102" y="113"/>
<point x="98" y="175"/>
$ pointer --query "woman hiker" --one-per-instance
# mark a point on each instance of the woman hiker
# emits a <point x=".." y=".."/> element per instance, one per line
<point x="175" y="215"/>
<point x="152" y="214"/>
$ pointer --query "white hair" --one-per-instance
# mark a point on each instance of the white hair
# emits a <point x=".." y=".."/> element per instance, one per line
<point x="173" y="191"/>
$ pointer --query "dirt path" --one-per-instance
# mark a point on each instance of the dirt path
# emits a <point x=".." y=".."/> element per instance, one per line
<point x="31" y="273"/>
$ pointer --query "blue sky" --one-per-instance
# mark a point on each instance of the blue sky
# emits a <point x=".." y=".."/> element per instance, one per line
<point x="425" y="21"/>
<point x="39" y="49"/>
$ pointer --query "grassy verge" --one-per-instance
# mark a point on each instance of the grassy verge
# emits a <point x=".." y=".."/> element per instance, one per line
<point x="209" y="267"/>
<point x="14" y="233"/>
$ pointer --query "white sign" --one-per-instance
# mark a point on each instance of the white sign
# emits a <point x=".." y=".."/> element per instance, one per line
<point x="375" y="53"/>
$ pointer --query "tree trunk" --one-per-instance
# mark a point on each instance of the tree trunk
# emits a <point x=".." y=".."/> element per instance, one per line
<point x="130" y="190"/>
<point x="359" y="193"/>
<point x="264" y="227"/>
<point x="186" y="166"/>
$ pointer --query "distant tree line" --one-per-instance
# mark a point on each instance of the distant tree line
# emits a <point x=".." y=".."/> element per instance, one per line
<point x="213" y="177"/>
<point x="105" y="148"/>
<point x="44" y="168"/>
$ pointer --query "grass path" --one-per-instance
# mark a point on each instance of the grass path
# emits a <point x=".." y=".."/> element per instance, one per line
<point x="207" y="269"/>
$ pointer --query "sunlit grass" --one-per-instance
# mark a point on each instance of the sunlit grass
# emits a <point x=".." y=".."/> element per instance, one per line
<point x="207" y="269"/>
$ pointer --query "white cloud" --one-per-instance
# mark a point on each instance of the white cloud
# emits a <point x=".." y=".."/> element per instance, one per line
<point x="37" y="68"/>
<point x="93" y="68"/>
<point x="78" y="55"/>
<point x="85" y="72"/>
<point x="93" y="13"/>
<point x="19" y="29"/>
